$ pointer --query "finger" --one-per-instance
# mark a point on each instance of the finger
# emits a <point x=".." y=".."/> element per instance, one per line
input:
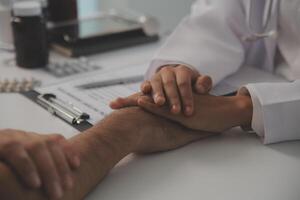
<point x="148" y="99"/>
<point x="157" y="90"/>
<point x="125" y="102"/>
<point x="184" y="83"/>
<point x="146" y="87"/>
<point x="61" y="163"/>
<point x="47" y="170"/>
<point x="203" y="85"/>
<point x="171" y="91"/>
<point x="18" y="158"/>
<point x="146" y="104"/>
<point x="72" y="156"/>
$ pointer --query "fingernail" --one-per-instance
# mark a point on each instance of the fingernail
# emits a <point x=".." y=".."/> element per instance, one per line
<point x="35" y="179"/>
<point x="157" y="97"/>
<point x="201" y="89"/>
<point x="146" y="88"/>
<point x="159" y="100"/>
<point x="57" y="190"/>
<point x="188" y="110"/>
<point x="140" y="101"/>
<point x="175" y="109"/>
<point x="69" y="182"/>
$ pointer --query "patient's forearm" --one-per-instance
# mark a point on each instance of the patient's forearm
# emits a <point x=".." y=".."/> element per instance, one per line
<point x="103" y="146"/>
<point x="100" y="148"/>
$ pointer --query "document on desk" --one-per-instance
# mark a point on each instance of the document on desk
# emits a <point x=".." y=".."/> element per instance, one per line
<point x="96" y="101"/>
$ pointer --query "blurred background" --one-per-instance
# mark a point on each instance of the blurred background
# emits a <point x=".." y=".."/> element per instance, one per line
<point x="168" y="12"/>
<point x="75" y="29"/>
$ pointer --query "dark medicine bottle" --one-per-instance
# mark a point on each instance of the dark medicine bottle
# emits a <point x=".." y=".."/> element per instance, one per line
<point x="30" y="35"/>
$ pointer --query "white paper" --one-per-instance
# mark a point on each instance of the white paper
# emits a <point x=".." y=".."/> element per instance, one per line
<point x="95" y="102"/>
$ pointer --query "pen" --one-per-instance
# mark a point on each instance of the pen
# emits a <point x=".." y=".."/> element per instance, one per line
<point x="56" y="110"/>
<point x="119" y="81"/>
<point x="57" y="107"/>
<point x="70" y="108"/>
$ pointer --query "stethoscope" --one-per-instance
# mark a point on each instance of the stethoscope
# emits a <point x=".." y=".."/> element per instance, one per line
<point x="263" y="33"/>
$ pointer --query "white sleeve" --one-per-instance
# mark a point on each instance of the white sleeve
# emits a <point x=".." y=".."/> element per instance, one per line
<point x="208" y="40"/>
<point x="276" y="110"/>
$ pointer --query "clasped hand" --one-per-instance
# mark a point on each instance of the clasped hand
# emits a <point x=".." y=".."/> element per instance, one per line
<point x="211" y="113"/>
<point x="40" y="160"/>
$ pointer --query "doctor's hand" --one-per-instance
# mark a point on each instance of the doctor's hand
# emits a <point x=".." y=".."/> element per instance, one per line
<point x="39" y="160"/>
<point x="173" y="85"/>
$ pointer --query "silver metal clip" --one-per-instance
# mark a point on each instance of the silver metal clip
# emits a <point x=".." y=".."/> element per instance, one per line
<point x="64" y="110"/>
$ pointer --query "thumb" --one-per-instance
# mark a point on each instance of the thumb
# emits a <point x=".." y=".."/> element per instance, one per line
<point x="146" y="87"/>
<point x="203" y="85"/>
<point x="125" y="102"/>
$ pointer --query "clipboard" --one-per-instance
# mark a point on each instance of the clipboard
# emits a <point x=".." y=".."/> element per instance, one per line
<point x="62" y="110"/>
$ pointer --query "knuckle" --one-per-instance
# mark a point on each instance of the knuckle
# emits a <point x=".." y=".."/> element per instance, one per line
<point x="183" y="68"/>
<point x="169" y="83"/>
<point x="166" y="69"/>
<point x="10" y="130"/>
<point x="51" y="142"/>
<point x="207" y="79"/>
<point x="36" y="146"/>
<point x="56" y="137"/>
<point x="145" y="83"/>
<point x="155" y="78"/>
<point x="183" y="85"/>
<point x="11" y="146"/>
<point x="7" y="130"/>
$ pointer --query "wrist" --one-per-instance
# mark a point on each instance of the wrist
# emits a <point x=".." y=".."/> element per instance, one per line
<point x="117" y="132"/>
<point x="244" y="110"/>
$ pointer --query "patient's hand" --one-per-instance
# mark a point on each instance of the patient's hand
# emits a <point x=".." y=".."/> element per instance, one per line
<point x="212" y="113"/>
<point x="144" y="132"/>
<point x="39" y="160"/>
<point x="129" y="130"/>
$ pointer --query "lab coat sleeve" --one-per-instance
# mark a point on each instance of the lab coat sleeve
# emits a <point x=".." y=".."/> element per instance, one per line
<point x="276" y="110"/>
<point x="208" y="40"/>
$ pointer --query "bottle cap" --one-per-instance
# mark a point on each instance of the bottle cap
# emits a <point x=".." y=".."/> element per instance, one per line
<point x="27" y="8"/>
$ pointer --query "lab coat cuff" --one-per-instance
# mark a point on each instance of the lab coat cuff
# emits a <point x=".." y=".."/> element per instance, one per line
<point x="276" y="111"/>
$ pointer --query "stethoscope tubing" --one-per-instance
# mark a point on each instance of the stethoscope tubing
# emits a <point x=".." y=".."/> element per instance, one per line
<point x="270" y="7"/>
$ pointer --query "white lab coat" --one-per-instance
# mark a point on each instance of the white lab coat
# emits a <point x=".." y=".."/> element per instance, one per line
<point x="210" y="40"/>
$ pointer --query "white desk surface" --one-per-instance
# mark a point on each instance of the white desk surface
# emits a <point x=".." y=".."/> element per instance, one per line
<point x="234" y="166"/>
